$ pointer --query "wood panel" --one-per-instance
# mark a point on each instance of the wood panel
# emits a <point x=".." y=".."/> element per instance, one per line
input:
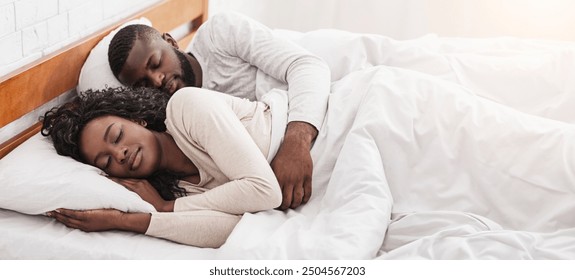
<point x="12" y="143"/>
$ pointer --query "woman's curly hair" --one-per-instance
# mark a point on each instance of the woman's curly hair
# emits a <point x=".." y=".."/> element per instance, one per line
<point x="65" y="123"/>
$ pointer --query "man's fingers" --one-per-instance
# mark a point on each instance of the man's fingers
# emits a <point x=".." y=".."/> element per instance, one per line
<point x="307" y="190"/>
<point x="287" y="194"/>
<point x="294" y="195"/>
<point x="298" y="193"/>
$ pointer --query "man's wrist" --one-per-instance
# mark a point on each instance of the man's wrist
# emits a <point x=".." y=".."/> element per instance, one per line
<point x="301" y="132"/>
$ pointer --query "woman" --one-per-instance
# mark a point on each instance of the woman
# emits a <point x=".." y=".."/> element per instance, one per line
<point x="122" y="132"/>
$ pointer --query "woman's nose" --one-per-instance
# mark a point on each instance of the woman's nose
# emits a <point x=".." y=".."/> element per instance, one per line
<point x="121" y="154"/>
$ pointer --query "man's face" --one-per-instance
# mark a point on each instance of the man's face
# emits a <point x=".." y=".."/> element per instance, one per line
<point x="156" y="64"/>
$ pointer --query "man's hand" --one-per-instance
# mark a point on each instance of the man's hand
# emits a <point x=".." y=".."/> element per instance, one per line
<point x="102" y="219"/>
<point x="293" y="165"/>
<point x="147" y="192"/>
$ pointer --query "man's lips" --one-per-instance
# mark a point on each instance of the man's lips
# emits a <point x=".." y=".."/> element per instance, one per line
<point x="170" y="86"/>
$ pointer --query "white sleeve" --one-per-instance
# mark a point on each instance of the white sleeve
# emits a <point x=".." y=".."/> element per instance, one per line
<point x="202" y="228"/>
<point x="307" y="76"/>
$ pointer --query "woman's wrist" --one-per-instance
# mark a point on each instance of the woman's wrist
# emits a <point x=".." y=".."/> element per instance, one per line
<point x="167" y="206"/>
<point x="134" y="222"/>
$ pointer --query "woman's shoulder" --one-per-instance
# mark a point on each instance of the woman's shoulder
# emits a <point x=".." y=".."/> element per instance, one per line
<point x="191" y="110"/>
<point x="193" y="93"/>
<point x="195" y="96"/>
<point x="191" y="103"/>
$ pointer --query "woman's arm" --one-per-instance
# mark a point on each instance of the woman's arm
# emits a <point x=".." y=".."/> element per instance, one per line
<point x="202" y="228"/>
<point x="197" y="228"/>
<point x="200" y="119"/>
<point x="102" y="220"/>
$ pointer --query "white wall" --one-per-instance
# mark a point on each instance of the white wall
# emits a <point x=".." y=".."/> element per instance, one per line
<point x="396" y="18"/>
<point x="407" y="19"/>
<point x="32" y="29"/>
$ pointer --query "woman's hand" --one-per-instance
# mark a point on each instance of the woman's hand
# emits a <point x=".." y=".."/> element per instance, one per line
<point x="102" y="220"/>
<point x="147" y="192"/>
<point x="88" y="220"/>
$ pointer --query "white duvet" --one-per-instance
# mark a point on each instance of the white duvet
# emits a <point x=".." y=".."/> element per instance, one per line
<point x="463" y="149"/>
<point x="453" y="149"/>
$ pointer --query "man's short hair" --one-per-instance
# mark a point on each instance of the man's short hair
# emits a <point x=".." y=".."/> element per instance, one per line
<point x="122" y="43"/>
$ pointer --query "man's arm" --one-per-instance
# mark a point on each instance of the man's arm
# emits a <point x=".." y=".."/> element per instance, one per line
<point x="308" y="81"/>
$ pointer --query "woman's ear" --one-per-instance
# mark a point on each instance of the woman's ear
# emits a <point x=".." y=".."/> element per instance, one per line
<point x="168" y="38"/>
<point x="141" y="122"/>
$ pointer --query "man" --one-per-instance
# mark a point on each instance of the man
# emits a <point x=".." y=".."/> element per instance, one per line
<point x="234" y="54"/>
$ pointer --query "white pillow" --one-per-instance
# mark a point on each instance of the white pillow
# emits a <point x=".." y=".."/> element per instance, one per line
<point x="35" y="179"/>
<point x="96" y="72"/>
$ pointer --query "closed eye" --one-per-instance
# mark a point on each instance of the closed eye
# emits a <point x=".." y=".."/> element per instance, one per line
<point x="154" y="62"/>
<point x="157" y="65"/>
<point x="119" y="136"/>
<point x="107" y="164"/>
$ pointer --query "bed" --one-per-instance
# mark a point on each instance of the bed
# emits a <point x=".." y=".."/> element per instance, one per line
<point x="433" y="148"/>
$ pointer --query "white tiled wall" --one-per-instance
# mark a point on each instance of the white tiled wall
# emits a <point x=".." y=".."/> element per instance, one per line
<point x="31" y="29"/>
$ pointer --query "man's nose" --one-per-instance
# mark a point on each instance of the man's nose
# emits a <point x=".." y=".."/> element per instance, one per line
<point x="156" y="78"/>
<point x="121" y="154"/>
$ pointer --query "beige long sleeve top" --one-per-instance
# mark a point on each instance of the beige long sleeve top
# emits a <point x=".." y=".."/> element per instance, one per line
<point x="243" y="58"/>
<point x="228" y="139"/>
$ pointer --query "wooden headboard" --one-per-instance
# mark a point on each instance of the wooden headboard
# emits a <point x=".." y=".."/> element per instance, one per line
<point x="36" y="84"/>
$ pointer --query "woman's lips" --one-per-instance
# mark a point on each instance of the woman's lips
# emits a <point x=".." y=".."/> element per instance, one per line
<point x="135" y="159"/>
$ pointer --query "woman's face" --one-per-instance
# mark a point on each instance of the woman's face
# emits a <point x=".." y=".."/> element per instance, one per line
<point x="120" y="147"/>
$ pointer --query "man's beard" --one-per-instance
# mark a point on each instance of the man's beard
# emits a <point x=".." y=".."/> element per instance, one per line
<point x="187" y="73"/>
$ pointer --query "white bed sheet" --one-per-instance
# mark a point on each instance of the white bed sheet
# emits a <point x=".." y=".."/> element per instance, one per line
<point x="416" y="177"/>
<point x="457" y="235"/>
